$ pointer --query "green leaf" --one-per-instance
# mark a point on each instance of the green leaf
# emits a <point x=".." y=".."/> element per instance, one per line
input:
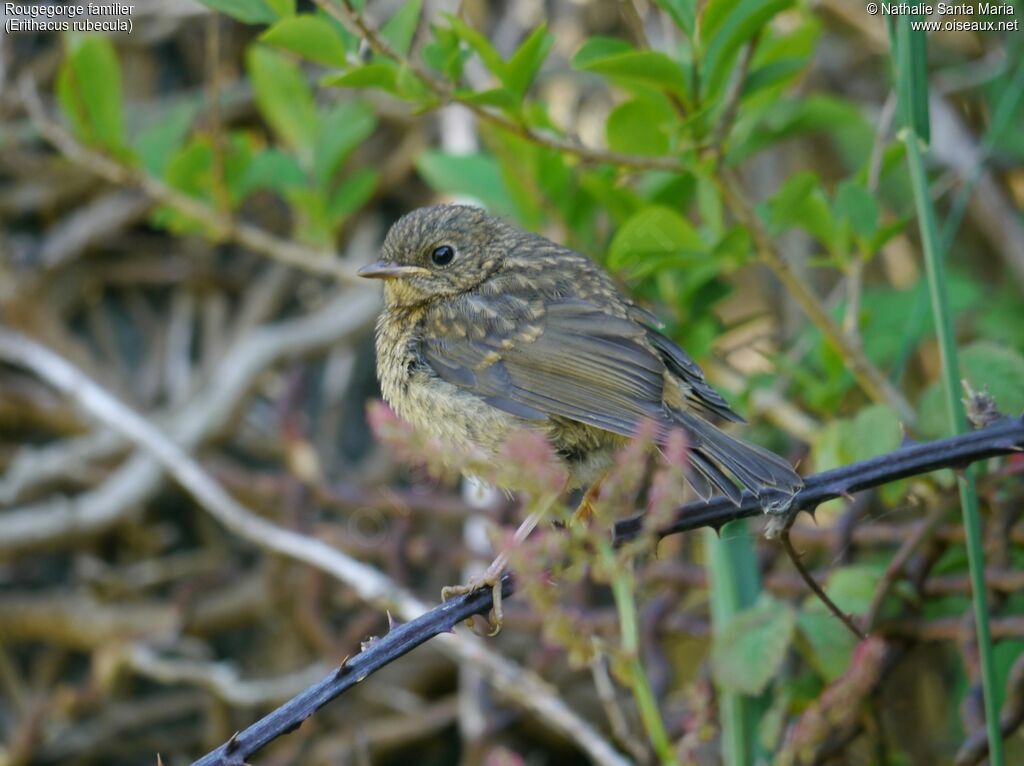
<point x="749" y="649"/>
<point x="410" y="87"/>
<point x="312" y="37"/>
<point x="788" y="117"/>
<point x="381" y="74"/>
<point x="246" y="11"/>
<point x="827" y="643"/>
<point x="284" y="99"/>
<point x="524" y="64"/>
<point x="638" y="127"/>
<point x="653" y="238"/>
<point x="190" y="170"/>
<point x="853" y="587"/>
<point x="474" y="175"/>
<point x="735" y="248"/>
<point x="487" y="52"/>
<point x="855" y="205"/>
<point x="158" y="143"/>
<point x="444" y="54"/>
<point x="498" y="97"/>
<point x="683" y="13"/>
<point x="739" y="24"/>
<point x="344" y="128"/>
<point x="89" y="92"/>
<point x="619" y="61"/>
<point x="269" y="169"/>
<point x="283" y="9"/>
<point x="776" y="72"/>
<point x="713" y="14"/>
<point x="597" y="49"/>
<point x="874" y="431"/>
<point x="401" y="28"/>
<point x="801" y="203"/>
<point x="312" y="224"/>
<point x="352" y="194"/>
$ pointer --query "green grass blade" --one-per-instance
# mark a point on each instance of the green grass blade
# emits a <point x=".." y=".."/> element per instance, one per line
<point x="912" y="83"/>
<point x="735" y="584"/>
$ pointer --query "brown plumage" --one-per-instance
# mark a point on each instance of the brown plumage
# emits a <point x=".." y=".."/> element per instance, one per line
<point x="488" y="328"/>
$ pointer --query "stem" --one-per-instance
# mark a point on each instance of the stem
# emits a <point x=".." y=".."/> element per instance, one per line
<point x="954" y="407"/>
<point x="910" y="56"/>
<point x="623" y="584"/>
<point x="734" y="584"/>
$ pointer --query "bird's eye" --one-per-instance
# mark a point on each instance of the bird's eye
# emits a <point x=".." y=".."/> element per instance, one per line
<point x="442" y="255"/>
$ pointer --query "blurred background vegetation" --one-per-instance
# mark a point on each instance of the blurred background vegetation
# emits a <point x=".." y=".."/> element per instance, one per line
<point x="183" y="209"/>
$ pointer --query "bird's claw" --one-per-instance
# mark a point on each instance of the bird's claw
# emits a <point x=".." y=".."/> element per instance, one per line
<point x="489" y="579"/>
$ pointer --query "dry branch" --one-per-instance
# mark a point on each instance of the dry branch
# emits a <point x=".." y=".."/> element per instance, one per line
<point x="367" y="583"/>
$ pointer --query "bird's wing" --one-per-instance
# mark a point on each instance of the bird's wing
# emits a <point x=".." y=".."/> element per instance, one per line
<point x="566" y="357"/>
<point x="698" y="392"/>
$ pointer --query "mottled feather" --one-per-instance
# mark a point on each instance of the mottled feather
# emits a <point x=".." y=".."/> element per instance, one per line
<point x="517" y="331"/>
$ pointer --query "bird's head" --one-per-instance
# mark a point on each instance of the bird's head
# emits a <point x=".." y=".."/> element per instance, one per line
<point x="438" y="251"/>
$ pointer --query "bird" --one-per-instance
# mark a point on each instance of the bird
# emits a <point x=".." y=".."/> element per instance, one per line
<point x="488" y="329"/>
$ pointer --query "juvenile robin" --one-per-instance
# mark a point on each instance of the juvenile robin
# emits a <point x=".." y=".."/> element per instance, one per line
<point x="488" y="329"/>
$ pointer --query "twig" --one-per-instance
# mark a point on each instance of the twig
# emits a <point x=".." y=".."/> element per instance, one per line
<point x="219" y="678"/>
<point x="808" y="578"/>
<point x="612" y="709"/>
<point x="322" y="262"/>
<point x="898" y="563"/>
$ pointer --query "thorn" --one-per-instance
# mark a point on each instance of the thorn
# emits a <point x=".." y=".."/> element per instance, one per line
<point x="392" y="623"/>
<point x="232" y="743"/>
<point x="718" y="529"/>
<point x="905" y="440"/>
<point x="813" y="513"/>
<point x="159" y="760"/>
<point x="847" y="496"/>
<point x="343" y="668"/>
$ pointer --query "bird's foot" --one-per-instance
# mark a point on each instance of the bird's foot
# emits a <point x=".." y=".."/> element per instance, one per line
<point x="584" y="512"/>
<point x="491" y="578"/>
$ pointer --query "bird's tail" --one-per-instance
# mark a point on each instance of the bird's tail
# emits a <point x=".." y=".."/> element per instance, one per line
<point x="722" y="464"/>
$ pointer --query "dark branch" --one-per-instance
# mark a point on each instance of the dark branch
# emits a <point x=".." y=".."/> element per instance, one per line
<point x="401" y="640"/>
<point x="1001" y="438"/>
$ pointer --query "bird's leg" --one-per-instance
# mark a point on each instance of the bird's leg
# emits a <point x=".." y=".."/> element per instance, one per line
<point x="491" y="577"/>
<point x="585" y="510"/>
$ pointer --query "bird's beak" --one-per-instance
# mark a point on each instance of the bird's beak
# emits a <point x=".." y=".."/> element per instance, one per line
<point x="385" y="270"/>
